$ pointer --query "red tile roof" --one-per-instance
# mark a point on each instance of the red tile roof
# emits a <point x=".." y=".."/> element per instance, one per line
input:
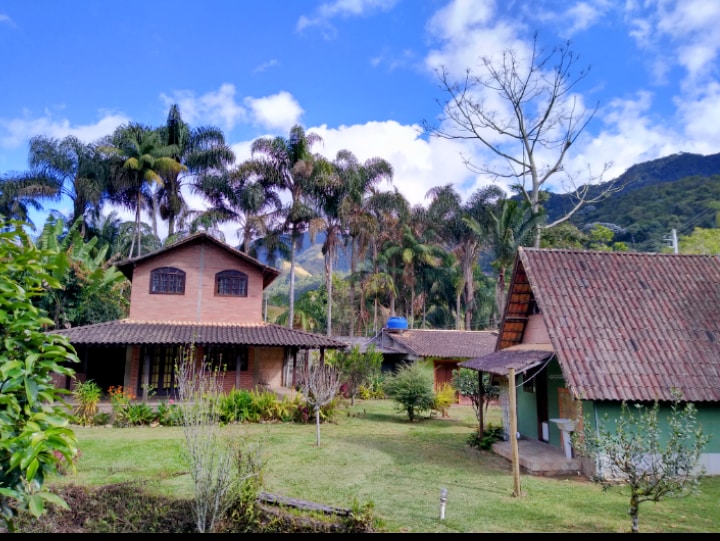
<point x="517" y="357"/>
<point x="125" y="332"/>
<point x="439" y="343"/>
<point x="624" y="326"/>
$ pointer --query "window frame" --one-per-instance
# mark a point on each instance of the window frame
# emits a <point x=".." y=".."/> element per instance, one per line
<point x="167" y="271"/>
<point x="231" y="275"/>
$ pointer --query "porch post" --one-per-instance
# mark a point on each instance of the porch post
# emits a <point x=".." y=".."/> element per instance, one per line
<point x="146" y="374"/>
<point x="513" y="433"/>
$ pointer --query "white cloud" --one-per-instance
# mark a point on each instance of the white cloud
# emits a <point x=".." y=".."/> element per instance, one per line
<point x="218" y="108"/>
<point x="418" y="164"/>
<point x="16" y="132"/>
<point x="341" y="8"/>
<point x="685" y="32"/>
<point x="266" y="65"/>
<point x="278" y="112"/>
<point x="5" y="19"/>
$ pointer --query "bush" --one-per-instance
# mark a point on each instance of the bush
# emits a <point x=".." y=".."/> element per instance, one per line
<point x="444" y="398"/>
<point x="491" y="434"/>
<point x="87" y="394"/>
<point x="168" y="414"/>
<point x="411" y="386"/>
<point x="135" y="414"/>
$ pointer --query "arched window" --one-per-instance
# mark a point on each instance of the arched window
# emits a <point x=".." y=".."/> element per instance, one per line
<point x="231" y="283"/>
<point x="167" y="281"/>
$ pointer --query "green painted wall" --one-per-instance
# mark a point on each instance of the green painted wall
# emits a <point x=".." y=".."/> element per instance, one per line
<point x="708" y="416"/>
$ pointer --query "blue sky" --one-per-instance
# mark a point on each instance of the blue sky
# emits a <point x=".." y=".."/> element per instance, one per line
<point x="360" y="73"/>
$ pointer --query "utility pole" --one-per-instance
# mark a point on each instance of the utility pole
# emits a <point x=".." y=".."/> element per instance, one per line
<point x="674" y="241"/>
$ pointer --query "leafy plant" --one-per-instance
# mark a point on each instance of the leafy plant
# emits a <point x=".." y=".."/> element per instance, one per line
<point x="168" y="414"/>
<point x="136" y="414"/>
<point x="484" y="441"/>
<point x="411" y="386"/>
<point x="88" y="395"/>
<point x="356" y="368"/>
<point x="444" y="398"/>
<point x="35" y="439"/>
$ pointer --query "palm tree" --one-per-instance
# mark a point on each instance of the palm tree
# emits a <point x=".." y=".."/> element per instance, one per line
<point x="244" y="195"/>
<point x="19" y="194"/>
<point x="513" y="225"/>
<point x="447" y="209"/>
<point x="200" y="150"/>
<point x="361" y="182"/>
<point x="290" y="164"/>
<point x="327" y="191"/>
<point x="72" y="169"/>
<point x="138" y="158"/>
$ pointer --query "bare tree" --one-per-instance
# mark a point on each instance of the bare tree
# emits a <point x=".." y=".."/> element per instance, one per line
<point x="526" y="114"/>
<point x="220" y="467"/>
<point x="320" y="384"/>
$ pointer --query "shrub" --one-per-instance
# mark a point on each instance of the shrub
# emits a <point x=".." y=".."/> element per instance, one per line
<point x="444" y="398"/>
<point x="135" y="414"/>
<point x="101" y="419"/>
<point x="168" y="414"/>
<point x="87" y="394"/>
<point x="411" y="386"/>
<point x="491" y="434"/>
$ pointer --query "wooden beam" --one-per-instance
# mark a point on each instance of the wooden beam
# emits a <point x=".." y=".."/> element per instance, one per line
<point x="513" y="433"/>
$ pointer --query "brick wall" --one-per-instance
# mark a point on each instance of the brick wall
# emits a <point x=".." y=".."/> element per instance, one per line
<point x="200" y="262"/>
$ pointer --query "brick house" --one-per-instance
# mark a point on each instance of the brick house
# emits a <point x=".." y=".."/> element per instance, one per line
<point x="197" y="294"/>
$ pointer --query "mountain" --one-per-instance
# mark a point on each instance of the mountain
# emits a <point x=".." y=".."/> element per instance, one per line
<point x="678" y="192"/>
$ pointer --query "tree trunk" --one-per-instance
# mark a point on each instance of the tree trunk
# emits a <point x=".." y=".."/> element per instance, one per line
<point x="328" y="286"/>
<point x="291" y="300"/>
<point x="353" y="267"/>
<point x="317" y="426"/>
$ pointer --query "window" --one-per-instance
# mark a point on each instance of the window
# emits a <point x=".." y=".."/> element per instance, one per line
<point x="231" y="283"/>
<point x="226" y="358"/>
<point x="167" y="281"/>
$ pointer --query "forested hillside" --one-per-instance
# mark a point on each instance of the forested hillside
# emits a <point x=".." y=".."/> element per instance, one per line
<point x="679" y="192"/>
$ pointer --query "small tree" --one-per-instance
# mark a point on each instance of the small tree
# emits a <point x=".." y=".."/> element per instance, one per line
<point x="222" y="469"/>
<point x="357" y="368"/>
<point x="35" y="438"/>
<point x="320" y="384"/>
<point x="411" y="386"/>
<point x="636" y="453"/>
<point x="467" y="383"/>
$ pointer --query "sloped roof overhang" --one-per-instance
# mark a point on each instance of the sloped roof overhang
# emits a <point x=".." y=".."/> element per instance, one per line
<point x="125" y="332"/>
<point x="520" y="358"/>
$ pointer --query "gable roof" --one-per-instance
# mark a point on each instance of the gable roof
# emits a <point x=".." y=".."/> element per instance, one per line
<point x="624" y="326"/>
<point x="127" y="266"/>
<point x="449" y="344"/>
<point x="126" y="332"/>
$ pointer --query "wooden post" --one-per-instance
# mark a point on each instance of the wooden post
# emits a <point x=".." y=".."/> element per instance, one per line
<point x="513" y="433"/>
<point x="146" y="375"/>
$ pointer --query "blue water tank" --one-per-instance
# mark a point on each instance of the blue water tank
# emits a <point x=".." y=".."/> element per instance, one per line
<point x="395" y="324"/>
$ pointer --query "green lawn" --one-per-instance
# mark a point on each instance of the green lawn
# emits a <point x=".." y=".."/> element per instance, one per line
<point x="371" y="453"/>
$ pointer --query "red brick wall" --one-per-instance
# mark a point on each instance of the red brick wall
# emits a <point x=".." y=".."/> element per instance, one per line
<point x="200" y="261"/>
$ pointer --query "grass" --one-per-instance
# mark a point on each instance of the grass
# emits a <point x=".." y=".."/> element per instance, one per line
<point x="372" y="454"/>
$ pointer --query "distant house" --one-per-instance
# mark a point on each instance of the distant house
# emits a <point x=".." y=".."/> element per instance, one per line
<point x="197" y="293"/>
<point x="585" y="331"/>
<point x="444" y="348"/>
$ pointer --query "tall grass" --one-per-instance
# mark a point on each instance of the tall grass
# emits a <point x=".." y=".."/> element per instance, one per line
<point x="373" y="454"/>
